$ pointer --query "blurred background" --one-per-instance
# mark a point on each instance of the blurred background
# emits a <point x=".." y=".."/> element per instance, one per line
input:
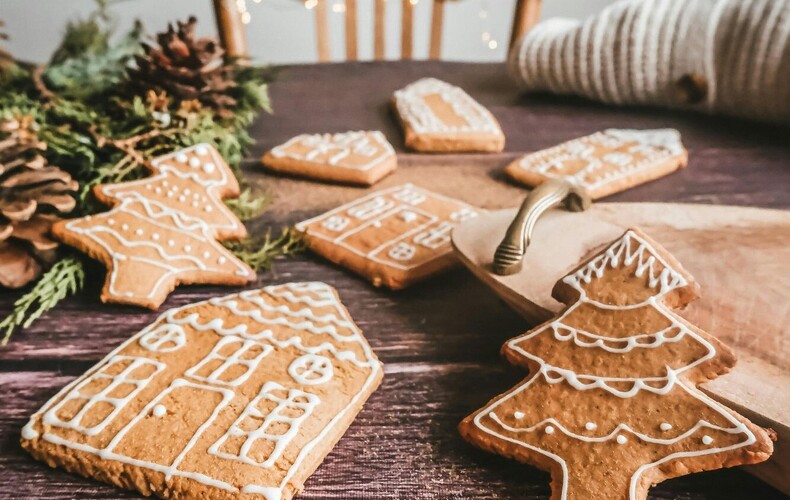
<point x="283" y="31"/>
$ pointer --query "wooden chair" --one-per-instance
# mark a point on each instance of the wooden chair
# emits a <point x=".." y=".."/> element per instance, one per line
<point x="233" y="37"/>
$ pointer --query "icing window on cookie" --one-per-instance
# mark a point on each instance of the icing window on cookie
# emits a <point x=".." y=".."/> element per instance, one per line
<point x="435" y="237"/>
<point x="463" y="214"/>
<point x="402" y="251"/>
<point x="408" y="195"/>
<point x="372" y="208"/>
<point x="311" y="369"/>
<point x="266" y="426"/>
<point x="164" y="338"/>
<point x="336" y="223"/>
<point x="231" y="361"/>
<point x="93" y="404"/>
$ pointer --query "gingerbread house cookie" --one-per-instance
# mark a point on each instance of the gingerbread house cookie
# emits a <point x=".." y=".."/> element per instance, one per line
<point x="351" y="157"/>
<point x="238" y="397"/>
<point x="393" y="237"/>
<point x="605" y="162"/>
<point x="442" y="118"/>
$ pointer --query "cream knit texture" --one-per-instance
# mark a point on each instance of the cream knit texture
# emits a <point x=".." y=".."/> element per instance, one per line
<point x="636" y="51"/>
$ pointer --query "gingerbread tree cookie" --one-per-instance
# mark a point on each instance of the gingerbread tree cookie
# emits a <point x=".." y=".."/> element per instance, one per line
<point x="439" y="117"/>
<point x="605" y="162"/>
<point x="237" y="397"/>
<point x="352" y="157"/>
<point x="395" y="237"/>
<point x="163" y="230"/>
<point x="612" y="406"/>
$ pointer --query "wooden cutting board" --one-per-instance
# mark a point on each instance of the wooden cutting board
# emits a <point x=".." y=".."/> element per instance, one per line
<point x="739" y="256"/>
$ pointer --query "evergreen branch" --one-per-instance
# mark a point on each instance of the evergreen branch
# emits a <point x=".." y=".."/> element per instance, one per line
<point x="248" y="206"/>
<point x="260" y="252"/>
<point x="65" y="278"/>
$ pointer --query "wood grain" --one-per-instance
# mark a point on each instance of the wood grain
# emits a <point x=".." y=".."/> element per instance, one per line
<point x="322" y="30"/>
<point x="379" y="30"/>
<point x="351" y="30"/>
<point x="440" y="340"/>
<point x="407" y="30"/>
<point x="437" y="30"/>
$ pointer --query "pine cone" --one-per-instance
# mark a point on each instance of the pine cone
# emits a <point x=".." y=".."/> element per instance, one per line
<point x="32" y="194"/>
<point x="186" y="68"/>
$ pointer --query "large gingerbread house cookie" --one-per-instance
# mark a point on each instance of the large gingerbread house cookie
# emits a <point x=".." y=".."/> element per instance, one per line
<point x="237" y="397"/>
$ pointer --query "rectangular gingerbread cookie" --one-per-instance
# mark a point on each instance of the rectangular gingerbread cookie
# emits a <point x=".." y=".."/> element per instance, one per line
<point x="394" y="237"/>
<point x="238" y="397"/>
<point x="442" y="118"/>
<point x="605" y="162"/>
<point x="352" y="157"/>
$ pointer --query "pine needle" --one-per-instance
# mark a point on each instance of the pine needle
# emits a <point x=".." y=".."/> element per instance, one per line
<point x="65" y="278"/>
<point x="260" y="253"/>
<point x="248" y="205"/>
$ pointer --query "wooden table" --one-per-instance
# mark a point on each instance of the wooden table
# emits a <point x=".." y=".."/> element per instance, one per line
<point x="440" y="340"/>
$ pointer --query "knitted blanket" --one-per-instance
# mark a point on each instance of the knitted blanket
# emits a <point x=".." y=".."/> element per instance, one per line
<point x="722" y="56"/>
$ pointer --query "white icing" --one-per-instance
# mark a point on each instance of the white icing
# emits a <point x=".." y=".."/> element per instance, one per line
<point x="159" y="411"/>
<point x="311" y="369"/>
<point x="337" y="148"/>
<point x="621" y="439"/>
<point x="164" y="338"/>
<point x="311" y="294"/>
<point x="420" y="117"/>
<point x="665" y="426"/>
<point x="297" y="401"/>
<point x="518" y="414"/>
<point x="549" y="429"/>
<point x="590" y="426"/>
<point x="235" y="360"/>
<point x="707" y="440"/>
<point x="425" y="229"/>
<point x="653" y="146"/>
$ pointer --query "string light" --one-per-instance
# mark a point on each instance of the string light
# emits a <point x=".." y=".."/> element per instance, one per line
<point x="338" y="8"/>
<point x="310" y="4"/>
<point x="485" y="36"/>
<point x="414" y="2"/>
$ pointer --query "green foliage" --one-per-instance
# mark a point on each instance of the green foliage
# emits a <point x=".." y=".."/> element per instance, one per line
<point x="65" y="278"/>
<point x="100" y="130"/>
<point x="260" y="252"/>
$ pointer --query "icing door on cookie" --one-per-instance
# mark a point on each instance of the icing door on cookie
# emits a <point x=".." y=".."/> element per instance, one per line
<point x="165" y="430"/>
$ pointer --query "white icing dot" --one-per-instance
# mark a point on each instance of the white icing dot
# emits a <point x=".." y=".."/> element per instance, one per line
<point x="209" y="167"/>
<point x="111" y="221"/>
<point x="169" y="194"/>
<point x="222" y="260"/>
<point x="208" y="208"/>
<point x="707" y="440"/>
<point x="665" y="426"/>
<point x="549" y="429"/>
<point x="171" y="243"/>
<point x="187" y="191"/>
<point x="206" y="254"/>
<point x="182" y="198"/>
<point x="187" y="248"/>
<point x="201" y="150"/>
<point x="194" y="162"/>
<point x="165" y="183"/>
<point x="175" y="189"/>
<point x="590" y="426"/>
<point x="147" y="186"/>
<point x="376" y="223"/>
<point x="125" y="227"/>
<point x="28" y="432"/>
<point x="158" y="190"/>
<point x="159" y="411"/>
<point x="195" y="196"/>
<point x="181" y="157"/>
<point x="621" y="439"/>
<point x="129" y="294"/>
<point x="408" y="216"/>
<point x="195" y="204"/>
<point x="139" y="232"/>
<point x="518" y="414"/>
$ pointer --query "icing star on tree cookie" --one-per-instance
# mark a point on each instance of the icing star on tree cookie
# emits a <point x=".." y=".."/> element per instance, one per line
<point x="163" y="230"/>
<point x="605" y="162"/>
<point x="611" y="406"/>
<point x="352" y="157"/>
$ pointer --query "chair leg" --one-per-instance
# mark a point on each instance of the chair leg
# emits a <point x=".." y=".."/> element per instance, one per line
<point x="231" y="28"/>
<point x="526" y="16"/>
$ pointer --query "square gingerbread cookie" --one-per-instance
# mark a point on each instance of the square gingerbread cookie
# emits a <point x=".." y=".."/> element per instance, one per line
<point x="238" y="397"/>
<point x="394" y="237"/>
<point x="606" y="162"/>
<point x="442" y="118"/>
<point x="352" y="157"/>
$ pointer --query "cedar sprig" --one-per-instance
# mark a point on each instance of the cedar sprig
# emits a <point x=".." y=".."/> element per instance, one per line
<point x="65" y="278"/>
<point x="261" y="252"/>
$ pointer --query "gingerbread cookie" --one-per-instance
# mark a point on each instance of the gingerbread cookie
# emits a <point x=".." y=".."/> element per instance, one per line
<point x="239" y="397"/>
<point x="162" y="230"/>
<point x="394" y="237"/>
<point x="611" y="406"/>
<point x="352" y="157"/>
<point x="605" y="162"/>
<point x="442" y="118"/>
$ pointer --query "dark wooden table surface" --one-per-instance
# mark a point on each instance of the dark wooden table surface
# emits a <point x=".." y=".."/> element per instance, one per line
<point x="439" y="341"/>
